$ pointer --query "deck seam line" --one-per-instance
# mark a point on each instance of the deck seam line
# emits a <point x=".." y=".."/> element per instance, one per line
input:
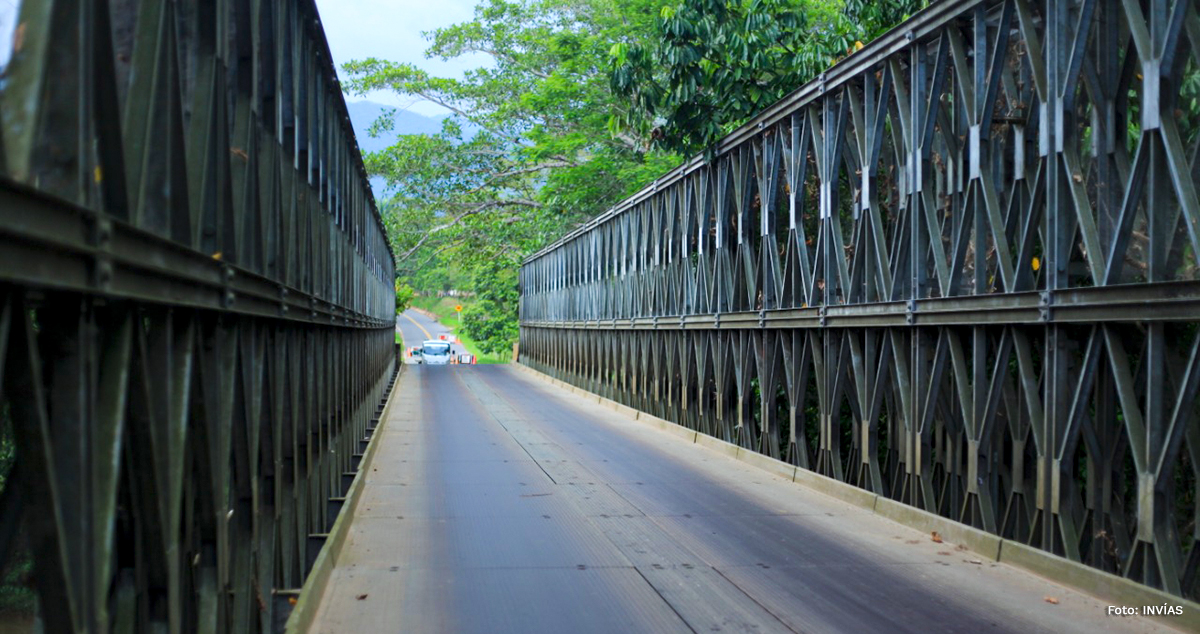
<point x="654" y="521"/>
<point x="664" y="600"/>
<point x="475" y="394"/>
<point x="756" y="602"/>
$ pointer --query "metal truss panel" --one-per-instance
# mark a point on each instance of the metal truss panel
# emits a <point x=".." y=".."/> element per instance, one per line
<point x="196" y="310"/>
<point x="958" y="270"/>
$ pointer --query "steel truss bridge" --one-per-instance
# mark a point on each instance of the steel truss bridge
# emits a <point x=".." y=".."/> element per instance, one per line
<point x="958" y="270"/>
<point x="196" y="309"/>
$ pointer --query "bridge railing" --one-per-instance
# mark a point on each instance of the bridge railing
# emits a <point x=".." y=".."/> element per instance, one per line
<point x="958" y="270"/>
<point x="196" y="309"/>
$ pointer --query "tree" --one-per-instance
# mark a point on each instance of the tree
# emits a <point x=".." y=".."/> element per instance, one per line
<point x="528" y="138"/>
<point x="404" y="296"/>
<point x="716" y="63"/>
<point x="526" y="153"/>
<point x="493" y="320"/>
<point x="586" y="101"/>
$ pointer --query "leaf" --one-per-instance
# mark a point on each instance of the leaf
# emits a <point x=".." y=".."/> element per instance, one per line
<point x="579" y="106"/>
<point x="618" y="53"/>
<point x="935" y="537"/>
<point x="1051" y="600"/>
<point x="361" y="597"/>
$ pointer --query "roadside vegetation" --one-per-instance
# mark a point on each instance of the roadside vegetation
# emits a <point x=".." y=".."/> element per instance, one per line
<point x="584" y="103"/>
<point x="443" y="309"/>
<point x="17" y="598"/>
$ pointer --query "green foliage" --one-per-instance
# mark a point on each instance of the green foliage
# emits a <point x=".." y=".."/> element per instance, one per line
<point x="715" y="63"/>
<point x="404" y="296"/>
<point x="8" y="445"/>
<point x="525" y="156"/>
<point x="493" y="320"/>
<point x="437" y="275"/>
<point x="443" y="308"/>
<point x="585" y="102"/>
<point x="16" y="595"/>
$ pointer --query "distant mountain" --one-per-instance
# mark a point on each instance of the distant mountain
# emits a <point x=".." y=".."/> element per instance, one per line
<point x="364" y="113"/>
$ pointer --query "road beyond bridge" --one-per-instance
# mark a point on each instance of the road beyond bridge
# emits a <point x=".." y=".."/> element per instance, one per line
<point x="495" y="502"/>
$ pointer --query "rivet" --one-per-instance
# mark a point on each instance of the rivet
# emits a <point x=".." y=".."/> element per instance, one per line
<point x="103" y="231"/>
<point x="104" y="272"/>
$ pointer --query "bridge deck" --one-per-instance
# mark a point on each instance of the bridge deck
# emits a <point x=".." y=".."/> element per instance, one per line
<point x="498" y="503"/>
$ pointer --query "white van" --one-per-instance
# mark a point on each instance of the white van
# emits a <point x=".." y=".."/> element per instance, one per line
<point x="434" y="352"/>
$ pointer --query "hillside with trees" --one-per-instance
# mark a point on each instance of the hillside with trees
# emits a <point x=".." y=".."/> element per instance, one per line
<point x="586" y="101"/>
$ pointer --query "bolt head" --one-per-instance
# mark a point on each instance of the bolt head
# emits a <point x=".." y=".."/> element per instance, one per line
<point x="104" y="272"/>
<point x="103" y="231"/>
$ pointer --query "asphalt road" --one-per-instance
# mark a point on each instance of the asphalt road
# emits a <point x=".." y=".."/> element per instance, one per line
<point x="415" y="328"/>
<point x="499" y="503"/>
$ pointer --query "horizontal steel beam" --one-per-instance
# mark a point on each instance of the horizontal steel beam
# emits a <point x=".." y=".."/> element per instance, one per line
<point x="1174" y="301"/>
<point x="50" y="245"/>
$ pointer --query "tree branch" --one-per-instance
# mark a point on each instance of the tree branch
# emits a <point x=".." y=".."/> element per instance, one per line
<point x="525" y="170"/>
<point x="511" y="60"/>
<point x="449" y="105"/>
<point x="458" y="219"/>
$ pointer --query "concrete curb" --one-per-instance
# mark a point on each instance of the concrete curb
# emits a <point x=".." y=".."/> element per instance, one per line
<point x="983" y="543"/>
<point x="305" y="610"/>
<point x="1102" y="585"/>
<point x="823" y="484"/>
<point x="1117" y="590"/>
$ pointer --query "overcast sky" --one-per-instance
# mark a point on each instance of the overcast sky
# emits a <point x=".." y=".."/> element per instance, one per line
<point x="391" y="29"/>
<point x="357" y="29"/>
